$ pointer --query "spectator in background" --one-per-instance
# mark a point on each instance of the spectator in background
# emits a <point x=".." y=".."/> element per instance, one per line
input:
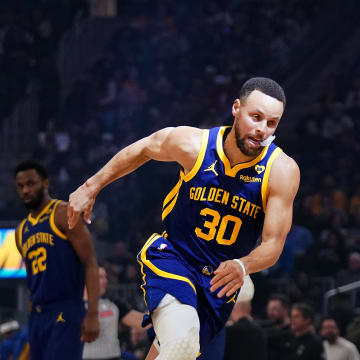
<point x="107" y="345"/>
<point x="244" y="338"/>
<point x="352" y="272"/>
<point x="305" y="345"/>
<point x="353" y="331"/>
<point x="336" y="347"/>
<point x="278" y="332"/>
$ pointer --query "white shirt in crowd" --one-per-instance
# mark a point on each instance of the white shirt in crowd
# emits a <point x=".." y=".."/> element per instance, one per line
<point x="342" y="349"/>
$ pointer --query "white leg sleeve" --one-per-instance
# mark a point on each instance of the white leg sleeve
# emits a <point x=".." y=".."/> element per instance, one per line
<point x="177" y="328"/>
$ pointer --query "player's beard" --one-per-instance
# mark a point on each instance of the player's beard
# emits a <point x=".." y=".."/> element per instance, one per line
<point x="241" y="144"/>
<point x="36" y="201"/>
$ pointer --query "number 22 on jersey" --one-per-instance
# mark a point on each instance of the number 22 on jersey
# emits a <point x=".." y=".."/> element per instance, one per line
<point x="38" y="258"/>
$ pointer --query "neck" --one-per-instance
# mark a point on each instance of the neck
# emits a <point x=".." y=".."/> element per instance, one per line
<point x="35" y="212"/>
<point x="232" y="152"/>
<point x="301" y="332"/>
<point x="286" y="322"/>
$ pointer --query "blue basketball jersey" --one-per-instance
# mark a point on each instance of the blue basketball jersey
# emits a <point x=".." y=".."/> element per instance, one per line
<point x="216" y="211"/>
<point x="54" y="272"/>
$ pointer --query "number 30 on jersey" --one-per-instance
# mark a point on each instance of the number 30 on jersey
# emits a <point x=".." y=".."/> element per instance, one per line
<point x="215" y="227"/>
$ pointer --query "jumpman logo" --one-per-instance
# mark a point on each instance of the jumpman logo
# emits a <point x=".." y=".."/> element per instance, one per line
<point x="60" y="318"/>
<point x="233" y="298"/>
<point x="212" y="168"/>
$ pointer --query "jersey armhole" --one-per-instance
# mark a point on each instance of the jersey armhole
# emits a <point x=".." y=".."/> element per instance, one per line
<point x="199" y="160"/>
<point x="53" y="226"/>
<point x="265" y="183"/>
<point x="18" y="238"/>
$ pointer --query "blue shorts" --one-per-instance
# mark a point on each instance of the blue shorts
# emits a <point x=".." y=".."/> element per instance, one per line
<point x="165" y="271"/>
<point x="55" y="330"/>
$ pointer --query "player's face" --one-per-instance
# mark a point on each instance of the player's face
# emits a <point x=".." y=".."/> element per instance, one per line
<point x="103" y="281"/>
<point x="256" y="118"/>
<point x="31" y="188"/>
<point x="275" y="311"/>
<point x="329" y="330"/>
<point x="298" y="321"/>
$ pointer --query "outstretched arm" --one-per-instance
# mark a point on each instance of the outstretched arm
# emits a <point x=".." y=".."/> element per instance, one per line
<point x="181" y="144"/>
<point x="283" y="185"/>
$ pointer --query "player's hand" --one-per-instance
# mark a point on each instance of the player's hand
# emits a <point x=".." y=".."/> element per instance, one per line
<point x="230" y="275"/>
<point x="80" y="201"/>
<point x="90" y="327"/>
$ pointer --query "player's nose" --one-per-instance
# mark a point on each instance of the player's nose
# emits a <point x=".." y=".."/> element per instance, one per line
<point x="260" y="128"/>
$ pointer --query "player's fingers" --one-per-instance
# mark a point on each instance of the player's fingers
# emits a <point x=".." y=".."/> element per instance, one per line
<point x="220" y="268"/>
<point x="220" y="274"/>
<point x="87" y="214"/>
<point x="221" y="282"/>
<point x="73" y="219"/>
<point x="232" y="291"/>
<point x="227" y="288"/>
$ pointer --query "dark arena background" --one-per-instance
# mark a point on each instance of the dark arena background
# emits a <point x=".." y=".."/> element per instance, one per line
<point x="81" y="79"/>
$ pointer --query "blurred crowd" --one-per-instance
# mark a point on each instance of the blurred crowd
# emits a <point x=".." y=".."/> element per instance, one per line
<point x="169" y="65"/>
<point x="29" y="35"/>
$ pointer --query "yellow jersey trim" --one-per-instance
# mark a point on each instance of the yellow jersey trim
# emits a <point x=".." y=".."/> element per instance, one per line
<point x="25" y="352"/>
<point x="232" y="171"/>
<point x="199" y="160"/>
<point x="172" y="193"/>
<point x="169" y="208"/>
<point x="143" y="279"/>
<point x="33" y="220"/>
<point x="142" y="286"/>
<point x="53" y="226"/>
<point x="264" y="185"/>
<point x="158" y="271"/>
<point x="20" y="235"/>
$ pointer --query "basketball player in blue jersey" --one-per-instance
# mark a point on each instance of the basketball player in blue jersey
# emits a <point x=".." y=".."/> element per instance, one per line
<point x="234" y="187"/>
<point x="58" y="262"/>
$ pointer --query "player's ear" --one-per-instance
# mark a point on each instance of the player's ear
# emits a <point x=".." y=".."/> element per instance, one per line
<point x="236" y="107"/>
<point x="46" y="182"/>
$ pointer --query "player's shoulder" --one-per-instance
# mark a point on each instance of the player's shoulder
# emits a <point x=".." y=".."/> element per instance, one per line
<point x="185" y="133"/>
<point x="20" y="225"/>
<point x="284" y="165"/>
<point x="284" y="175"/>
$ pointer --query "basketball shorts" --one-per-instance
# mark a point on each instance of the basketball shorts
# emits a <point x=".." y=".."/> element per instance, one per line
<point x="164" y="271"/>
<point x="55" y="330"/>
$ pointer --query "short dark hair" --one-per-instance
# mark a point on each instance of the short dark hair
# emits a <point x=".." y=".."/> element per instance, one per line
<point x="306" y="310"/>
<point x="283" y="299"/>
<point x="29" y="165"/>
<point x="266" y="86"/>
<point x="327" y="318"/>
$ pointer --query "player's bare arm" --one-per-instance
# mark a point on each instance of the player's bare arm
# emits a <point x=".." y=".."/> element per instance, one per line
<point x="283" y="185"/>
<point x="134" y="319"/>
<point x="80" y="239"/>
<point x="180" y="144"/>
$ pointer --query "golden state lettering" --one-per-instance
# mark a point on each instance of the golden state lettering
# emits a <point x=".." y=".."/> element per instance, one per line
<point x="38" y="238"/>
<point x="221" y="196"/>
<point x="250" y="178"/>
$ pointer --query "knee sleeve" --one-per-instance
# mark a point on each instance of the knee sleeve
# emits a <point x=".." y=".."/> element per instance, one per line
<point x="177" y="328"/>
<point x="183" y="348"/>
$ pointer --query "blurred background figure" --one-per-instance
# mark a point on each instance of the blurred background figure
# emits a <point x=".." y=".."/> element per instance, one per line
<point x="14" y="342"/>
<point x="305" y="344"/>
<point x="111" y="314"/>
<point x="277" y="329"/>
<point x="244" y="338"/>
<point x="336" y="347"/>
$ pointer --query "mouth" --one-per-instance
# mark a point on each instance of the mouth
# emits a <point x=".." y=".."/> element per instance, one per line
<point x="254" y="142"/>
